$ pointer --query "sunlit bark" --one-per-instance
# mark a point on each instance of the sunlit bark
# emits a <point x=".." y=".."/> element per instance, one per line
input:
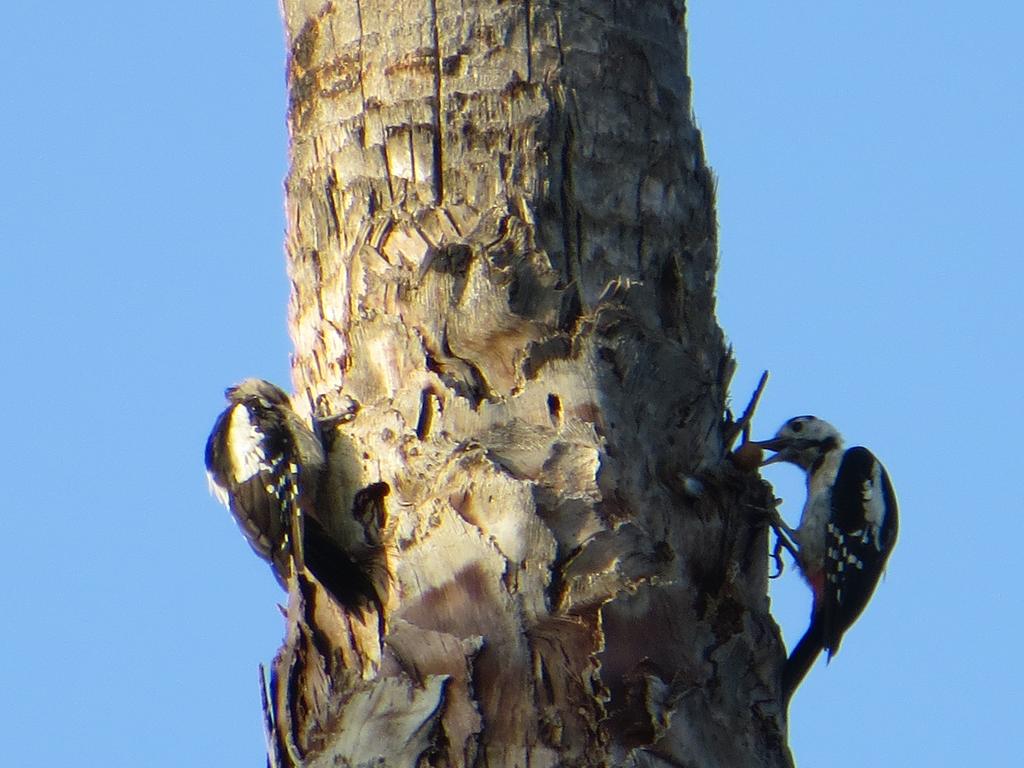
<point x="502" y="246"/>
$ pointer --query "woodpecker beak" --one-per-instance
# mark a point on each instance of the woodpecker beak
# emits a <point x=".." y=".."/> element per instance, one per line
<point x="775" y="444"/>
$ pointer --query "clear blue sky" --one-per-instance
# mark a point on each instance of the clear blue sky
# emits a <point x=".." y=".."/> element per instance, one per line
<point x="870" y="197"/>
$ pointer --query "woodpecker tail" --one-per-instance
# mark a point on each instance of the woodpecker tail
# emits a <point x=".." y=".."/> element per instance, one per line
<point x="801" y="660"/>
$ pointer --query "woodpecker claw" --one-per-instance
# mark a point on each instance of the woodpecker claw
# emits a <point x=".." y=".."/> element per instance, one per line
<point x="780" y="566"/>
<point x="784" y="539"/>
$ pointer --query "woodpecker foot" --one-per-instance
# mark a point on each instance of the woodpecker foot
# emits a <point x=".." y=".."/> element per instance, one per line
<point x="781" y="542"/>
<point x="784" y="539"/>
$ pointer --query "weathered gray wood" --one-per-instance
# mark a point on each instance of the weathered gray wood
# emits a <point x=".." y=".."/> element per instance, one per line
<point x="501" y="240"/>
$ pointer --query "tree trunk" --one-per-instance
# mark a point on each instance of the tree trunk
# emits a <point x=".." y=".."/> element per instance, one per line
<point x="501" y="240"/>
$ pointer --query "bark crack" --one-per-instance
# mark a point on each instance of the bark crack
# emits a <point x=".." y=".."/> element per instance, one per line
<point x="366" y="112"/>
<point x="318" y="275"/>
<point x="529" y="41"/>
<point x="438" y="107"/>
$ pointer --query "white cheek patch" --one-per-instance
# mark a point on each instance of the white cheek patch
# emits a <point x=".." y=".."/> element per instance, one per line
<point x="245" y="445"/>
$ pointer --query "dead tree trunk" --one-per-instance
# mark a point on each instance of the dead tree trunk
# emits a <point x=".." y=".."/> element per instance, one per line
<point x="502" y="247"/>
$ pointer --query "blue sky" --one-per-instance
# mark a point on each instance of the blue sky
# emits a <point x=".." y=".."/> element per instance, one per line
<point x="869" y="170"/>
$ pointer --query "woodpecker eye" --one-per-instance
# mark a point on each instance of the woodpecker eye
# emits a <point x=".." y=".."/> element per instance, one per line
<point x="798" y="426"/>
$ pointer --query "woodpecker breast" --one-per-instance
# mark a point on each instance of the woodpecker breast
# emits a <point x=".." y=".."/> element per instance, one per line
<point x="817" y="510"/>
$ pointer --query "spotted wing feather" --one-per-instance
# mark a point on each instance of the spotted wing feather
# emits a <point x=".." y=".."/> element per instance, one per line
<point x="858" y="539"/>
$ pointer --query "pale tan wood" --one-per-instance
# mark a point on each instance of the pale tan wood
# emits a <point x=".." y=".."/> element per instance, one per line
<point x="502" y="247"/>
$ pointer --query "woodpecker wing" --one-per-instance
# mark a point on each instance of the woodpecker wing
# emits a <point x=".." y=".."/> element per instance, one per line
<point x="245" y="475"/>
<point x="858" y="541"/>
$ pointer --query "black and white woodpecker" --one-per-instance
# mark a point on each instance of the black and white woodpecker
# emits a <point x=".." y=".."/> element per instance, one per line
<point x="847" y="531"/>
<point x="268" y="468"/>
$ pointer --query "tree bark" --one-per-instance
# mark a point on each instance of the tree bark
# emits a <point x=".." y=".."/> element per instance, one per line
<point x="502" y="248"/>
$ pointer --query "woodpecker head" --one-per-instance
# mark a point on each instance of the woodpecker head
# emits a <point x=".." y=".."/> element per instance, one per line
<point x="259" y="389"/>
<point x="801" y="441"/>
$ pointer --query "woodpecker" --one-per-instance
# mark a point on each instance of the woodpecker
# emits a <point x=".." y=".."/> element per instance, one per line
<point x="847" y="531"/>
<point x="267" y="467"/>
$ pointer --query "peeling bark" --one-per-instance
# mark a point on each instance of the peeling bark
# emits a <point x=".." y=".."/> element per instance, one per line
<point x="502" y="246"/>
